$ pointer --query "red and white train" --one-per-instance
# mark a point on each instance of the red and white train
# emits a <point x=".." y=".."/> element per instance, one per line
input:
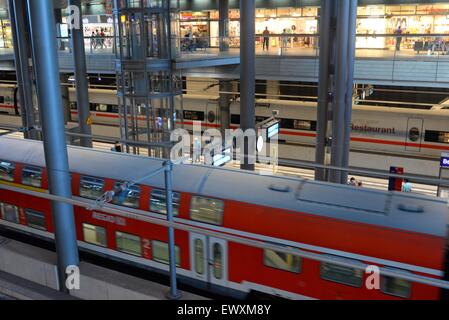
<point x="381" y="137"/>
<point x="403" y="232"/>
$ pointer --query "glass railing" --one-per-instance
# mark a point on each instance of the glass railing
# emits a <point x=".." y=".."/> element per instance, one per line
<point x="382" y="46"/>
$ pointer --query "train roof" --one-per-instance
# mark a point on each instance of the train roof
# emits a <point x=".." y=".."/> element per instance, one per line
<point x="416" y="213"/>
<point x="367" y="108"/>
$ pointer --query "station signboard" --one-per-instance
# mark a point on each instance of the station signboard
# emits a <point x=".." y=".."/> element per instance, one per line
<point x="273" y="129"/>
<point x="444" y="163"/>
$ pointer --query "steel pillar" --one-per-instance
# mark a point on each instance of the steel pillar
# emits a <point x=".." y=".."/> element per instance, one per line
<point x="174" y="294"/>
<point x="42" y="23"/>
<point x="82" y="83"/>
<point x="341" y="67"/>
<point x="247" y="77"/>
<point x="17" y="12"/>
<point x="225" y="107"/>
<point x="352" y="26"/>
<point x="327" y="43"/>
<point x="223" y="24"/>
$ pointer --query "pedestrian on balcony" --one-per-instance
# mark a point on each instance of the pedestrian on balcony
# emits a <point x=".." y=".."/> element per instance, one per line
<point x="398" y="33"/>
<point x="266" y="39"/>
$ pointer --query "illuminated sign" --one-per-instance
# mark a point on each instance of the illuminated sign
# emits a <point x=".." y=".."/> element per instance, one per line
<point x="273" y="130"/>
<point x="444" y="160"/>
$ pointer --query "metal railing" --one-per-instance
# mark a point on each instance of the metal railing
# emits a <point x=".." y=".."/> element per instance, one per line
<point x="234" y="236"/>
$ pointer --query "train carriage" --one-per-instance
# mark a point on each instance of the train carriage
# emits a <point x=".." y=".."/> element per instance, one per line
<point x="407" y="233"/>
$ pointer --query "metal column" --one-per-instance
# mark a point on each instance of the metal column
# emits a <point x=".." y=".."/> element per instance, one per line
<point x="82" y="84"/>
<point x="223" y="24"/>
<point x="174" y="294"/>
<point x="341" y="67"/>
<point x="225" y="107"/>
<point x="42" y="23"/>
<point x="248" y="76"/>
<point x="326" y="40"/>
<point x="17" y="12"/>
<point x="352" y="26"/>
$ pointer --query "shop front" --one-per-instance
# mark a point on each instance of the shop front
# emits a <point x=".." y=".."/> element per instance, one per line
<point x="376" y="25"/>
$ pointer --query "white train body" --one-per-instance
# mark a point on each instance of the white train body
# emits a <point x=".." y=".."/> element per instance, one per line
<point x="380" y="136"/>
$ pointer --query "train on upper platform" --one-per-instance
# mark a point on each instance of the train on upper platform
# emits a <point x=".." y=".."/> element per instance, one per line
<point x="378" y="132"/>
<point x="402" y="232"/>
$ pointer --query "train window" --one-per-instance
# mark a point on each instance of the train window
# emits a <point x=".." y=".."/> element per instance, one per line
<point x="304" y="125"/>
<point x="2" y="99"/>
<point x="91" y="188"/>
<point x="161" y="254"/>
<point x="32" y="176"/>
<point x="9" y="212"/>
<point x="211" y="117"/>
<point x="282" y="261"/>
<point x="128" y="197"/>
<point x="344" y="275"/>
<point x="102" y="107"/>
<point x="193" y="115"/>
<point x="207" y="210"/>
<point x="35" y="219"/>
<point x="128" y="243"/>
<point x="395" y="286"/>
<point x="414" y="134"/>
<point x="199" y="256"/>
<point x="7" y="170"/>
<point x="73" y="106"/>
<point x="235" y="119"/>
<point x="218" y="261"/>
<point x="158" y="202"/>
<point x="94" y="235"/>
<point x="437" y="136"/>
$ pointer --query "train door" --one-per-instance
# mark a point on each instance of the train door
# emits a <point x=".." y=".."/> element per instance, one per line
<point x="414" y="134"/>
<point x="211" y="113"/>
<point x="209" y="259"/>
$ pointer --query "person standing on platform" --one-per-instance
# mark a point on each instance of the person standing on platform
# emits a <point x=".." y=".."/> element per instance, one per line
<point x="407" y="186"/>
<point x="398" y="38"/>
<point x="266" y="39"/>
<point x="93" y="42"/>
<point x="117" y="147"/>
<point x="352" y="182"/>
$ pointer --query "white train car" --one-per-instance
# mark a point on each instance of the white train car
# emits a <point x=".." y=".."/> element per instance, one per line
<point x="380" y="136"/>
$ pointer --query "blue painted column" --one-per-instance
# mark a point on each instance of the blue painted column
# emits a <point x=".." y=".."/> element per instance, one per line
<point x="43" y="34"/>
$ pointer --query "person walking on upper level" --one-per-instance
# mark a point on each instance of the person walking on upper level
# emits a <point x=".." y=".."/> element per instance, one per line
<point x="266" y="39"/>
<point x="398" y="33"/>
<point x="407" y="186"/>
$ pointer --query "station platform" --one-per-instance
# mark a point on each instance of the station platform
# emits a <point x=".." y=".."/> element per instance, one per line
<point x="377" y="67"/>
<point x="29" y="273"/>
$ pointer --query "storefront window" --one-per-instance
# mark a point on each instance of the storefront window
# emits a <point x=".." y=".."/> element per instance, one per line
<point x="5" y="34"/>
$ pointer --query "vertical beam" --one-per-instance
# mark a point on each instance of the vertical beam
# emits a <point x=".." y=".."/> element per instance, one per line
<point x="42" y="23"/>
<point x="326" y="41"/>
<point x="352" y="26"/>
<point x="174" y="294"/>
<point x="65" y="95"/>
<point x="225" y="107"/>
<point x="341" y="68"/>
<point x="21" y="56"/>
<point x="223" y="24"/>
<point x="82" y="84"/>
<point x="247" y="76"/>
